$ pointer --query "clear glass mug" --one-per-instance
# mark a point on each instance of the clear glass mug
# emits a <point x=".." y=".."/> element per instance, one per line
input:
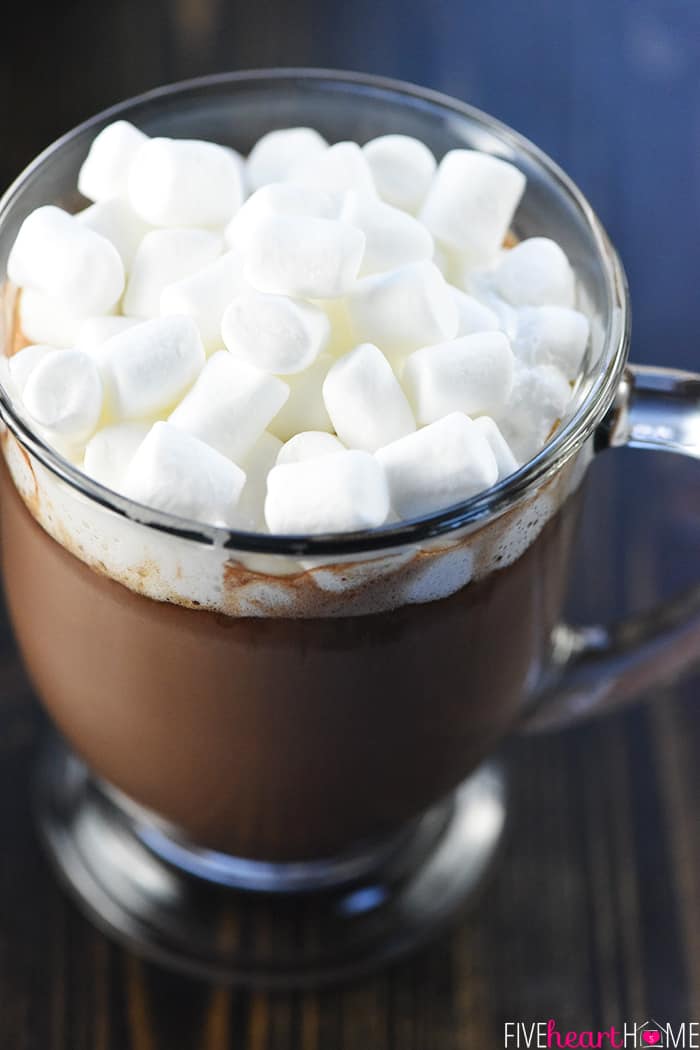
<point x="283" y="741"/>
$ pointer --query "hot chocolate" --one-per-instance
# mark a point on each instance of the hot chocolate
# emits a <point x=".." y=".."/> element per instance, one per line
<point x="271" y="737"/>
<point x="282" y="542"/>
<point x="274" y="708"/>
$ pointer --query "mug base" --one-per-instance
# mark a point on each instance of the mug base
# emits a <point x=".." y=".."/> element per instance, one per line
<point x="258" y="924"/>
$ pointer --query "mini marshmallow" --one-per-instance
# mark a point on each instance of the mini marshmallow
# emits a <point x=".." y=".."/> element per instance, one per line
<point x="471" y="203"/>
<point x="342" y="337"/>
<point x="402" y="169"/>
<point x="165" y="256"/>
<point x="437" y="466"/>
<point x="309" y="444"/>
<point x="46" y="320"/>
<point x="552" y="335"/>
<point x="479" y="283"/>
<point x="282" y="198"/>
<point x="114" y="219"/>
<point x="539" y="398"/>
<point x="274" y="155"/>
<point x="177" y="473"/>
<point x="365" y="401"/>
<point x="204" y="296"/>
<point x="105" y="170"/>
<point x="393" y="238"/>
<point x="340" y="167"/>
<point x="505" y="460"/>
<point x="445" y="261"/>
<point x="109" y="452"/>
<point x="342" y="492"/>
<point x="148" y="367"/>
<point x="93" y="332"/>
<point x="304" y="257"/>
<point x="240" y="162"/>
<point x="472" y="315"/>
<point x="275" y="333"/>
<point x="184" y="182"/>
<point x="257" y="464"/>
<point x="22" y="364"/>
<point x="59" y="256"/>
<point x="63" y="394"/>
<point x="404" y="309"/>
<point x="472" y="374"/>
<point x="305" y="408"/>
<point x="230" y="405"/>
<point x="535" y="273"/>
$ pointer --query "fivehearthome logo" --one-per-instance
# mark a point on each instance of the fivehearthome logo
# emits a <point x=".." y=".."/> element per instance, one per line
<point x="632" y="1035"/>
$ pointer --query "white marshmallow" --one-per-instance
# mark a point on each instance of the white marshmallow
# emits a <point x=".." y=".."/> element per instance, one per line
<point x="471" y="203"/>
<point x="535" y="272"/>
<point x="109" y="452"/>
<point x="63" y="394"/>
<point x="404" y="309"/>
<point x="479" y="283"/>
<point x="473" y="316"/>
<point x="257" y="464"/>
<point x="177" y="473"/>
<point x="305" y="409"/>
<point x="148" y="367"/>
<point x="472" y="374"/>
<point x="304" y="257"/>
<point x="282" y="198"/>
<point x="342" y="492"/>
<point x="275" y="333"/>
<point x="340" y="167"/>
<point x="538" y="400"/>
<point x="46" y="320"/>
<point x="105" y="170"/>
<point x="22" y="364"/>
<point x="552" y="335"/>
<point x="93" y="332"/>
<point x="273" y="156"/>
<point x="437" y="466"/>
<point x="240" y="162"/>
<point x="114" y="219"/>
<point x="184" y="182"/>
<point x="164" y="256"/>
<point x="402" y="168"/>
<point x="505" y="460"/>
<point x="59" y="256"/>
<point x="309" y="444"/>
<point x="204" y="296"/>
<point x="342" y="337"/>
<point x="230" y="405"/>
<point x="365" y="401"/>
<point x="393" y="238"/>
<point x="446" y="261"/>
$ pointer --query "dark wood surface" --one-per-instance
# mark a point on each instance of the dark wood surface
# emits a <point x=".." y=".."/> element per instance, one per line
<point x="593" y="916"/>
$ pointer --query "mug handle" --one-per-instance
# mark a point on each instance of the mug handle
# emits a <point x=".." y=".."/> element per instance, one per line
<point x="597" y="669"/>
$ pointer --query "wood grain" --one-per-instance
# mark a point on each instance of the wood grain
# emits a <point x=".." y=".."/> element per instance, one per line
<point x="593" y="916"/>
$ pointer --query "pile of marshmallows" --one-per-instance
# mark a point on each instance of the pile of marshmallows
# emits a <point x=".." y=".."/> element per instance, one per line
<point x="313" y="339"/>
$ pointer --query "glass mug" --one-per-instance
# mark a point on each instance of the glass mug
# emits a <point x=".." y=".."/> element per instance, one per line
<point x="274" y="759"/>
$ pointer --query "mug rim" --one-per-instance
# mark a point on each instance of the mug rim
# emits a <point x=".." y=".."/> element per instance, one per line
<point x="566" y="441"/>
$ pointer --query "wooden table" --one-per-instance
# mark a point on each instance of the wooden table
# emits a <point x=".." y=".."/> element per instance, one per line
<point x="593" y="917"/>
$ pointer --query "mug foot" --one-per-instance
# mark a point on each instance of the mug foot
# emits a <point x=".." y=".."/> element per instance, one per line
<point x="258" y="924"/>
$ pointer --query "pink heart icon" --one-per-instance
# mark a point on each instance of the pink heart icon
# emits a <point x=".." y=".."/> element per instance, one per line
<point x="651" y="1038"/>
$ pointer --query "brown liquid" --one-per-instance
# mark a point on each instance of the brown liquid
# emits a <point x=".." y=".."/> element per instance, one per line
<point x="279" y="738"/>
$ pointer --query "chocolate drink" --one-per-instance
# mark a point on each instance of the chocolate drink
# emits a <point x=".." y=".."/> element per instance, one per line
<point x="390" y="384"/>
<point x="272" y="737"/>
